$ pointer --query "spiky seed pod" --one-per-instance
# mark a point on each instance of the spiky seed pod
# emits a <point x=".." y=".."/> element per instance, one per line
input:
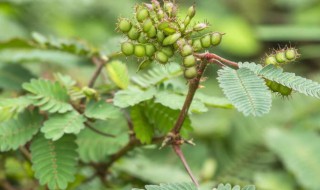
<point x="206" y="41"/>
<point x="150" y="50"/>
<point x="191" y="11"/>
<point x="216" y="38"/>
<point x="170" y="9"/>
<point x="291" y="54"/>
<point x="144" y="64"/>
<point x="142" y="14"/>
<point x="124" y="25"/>
<point x="160" y="14"/>
<point x="139" y="50"/>
<point x="196" y="45"/>
<point x="152" y="32"/>
<point x="186" y="50"/>
<point x="169" y="51"/>
<point x="127" y="48"/>
<point x="169" y="40"/>
<point x="278" y="88"/>
<point x="161" y="57"/>
<point x="284" y="91"/>
<point x="160" y="36"/>
<point x="270" y="60"/>
<point x="281" y="57"/>
<point x="190" y="73"/>
<point x="186" y="21"/>
<point x="133" y="34"/>
<point x="142" y="39"/>
<point x="200" y="26"/>
<point x="147" y="24"/>
<point x="189" y="61"/>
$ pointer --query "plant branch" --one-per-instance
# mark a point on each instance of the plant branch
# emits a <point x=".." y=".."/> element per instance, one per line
<point x="26" y="154"/>
<point x="98" y="131"/>
<point x="100" y="64"/>
<point x="211" y="57"/>
<point x="179" y="153"/>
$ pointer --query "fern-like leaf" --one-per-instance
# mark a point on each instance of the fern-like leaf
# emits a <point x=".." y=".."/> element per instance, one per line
<point x="11" y="106"/>
<point x="101" y="110"/>
<point x="74" y="91"/>
<point x="297" y="83"/>
<point x="143" y="130"/>
<point x="54" y="162"/>
<point x="59" y="124"/>
<point x="246" y="91"/>
<point x="171" y="186"/>
<point x="236" y="187"/>
<point x="49" y="96"/>
<point x="18" y="131"/>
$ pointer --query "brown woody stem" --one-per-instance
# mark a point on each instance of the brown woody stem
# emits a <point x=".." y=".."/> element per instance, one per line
<point x="211" y="57"/>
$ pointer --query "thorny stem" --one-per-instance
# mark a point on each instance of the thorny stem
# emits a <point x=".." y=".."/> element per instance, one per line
<point x="179" y="153"/>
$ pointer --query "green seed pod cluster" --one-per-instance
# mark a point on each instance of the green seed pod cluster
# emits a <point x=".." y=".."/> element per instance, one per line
<point x="281" y="56"/>
<point x="156" y="34"/>
<point x="278" y="88"/>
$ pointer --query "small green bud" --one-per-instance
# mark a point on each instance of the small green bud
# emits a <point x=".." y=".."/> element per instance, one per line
<point x="291" y="54"/>
<point x="186" y="50"/>
<point x="89" y="92"/>
<point x="216" y="38"/>
<point x="142" y="14"/>
<point x="139" y="50"/>
<point x="186" y="21"/>
<point x="152" y="32"/>
<point x="168" y="51"/>
<point x="164" y="25"/>
<point x="160" y="14"/>
<point x="196" y="45"/>
<point x="270" y="60"/>
<point x="206" y="41"/>
<point x="284" y="91"/>
<point x="160" y="36"/>
<point x="170" y="8"/>
<point x="189" y="61"/>
<point x="200" y="26"/>
<point x="127" y="48"/>
<point x="124" y="25"/>
<point x="142" y="38"/>
<point x="147" y="24"/>
<point x="190" y="73"/>
<point x="161" y="57"/>
<point x="191" y="11"/>
<point x="281" y="57"/>
<point x="144" y="64"/>
<point x="150" y="50"/>
<point x="133" y="34"/>
<point x="169" y="40"/>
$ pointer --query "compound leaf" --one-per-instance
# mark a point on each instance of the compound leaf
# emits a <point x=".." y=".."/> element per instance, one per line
<point x="143" y="130"/>
<point x="171" y="186"/>
<point x="118" y="73"/>
<point x="11" y="106"/>
<point x="101" y="110"/>
<point x="54" y="162"/>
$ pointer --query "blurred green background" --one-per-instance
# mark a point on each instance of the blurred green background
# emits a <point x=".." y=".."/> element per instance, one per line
<point x="278" y="151"/>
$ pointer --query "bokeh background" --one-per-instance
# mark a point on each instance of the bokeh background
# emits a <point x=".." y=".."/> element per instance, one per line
<point x="278" y="151"/>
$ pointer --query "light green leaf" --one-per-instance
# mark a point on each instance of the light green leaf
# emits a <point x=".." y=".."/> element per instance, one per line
<point x="299" y="151"/>
<point x="95" y="147"/>
<point x="11" y="106"/>
<point x="74" y="92"/>
<point x="15" y="43"/>
<point x="102" y="110"/>
<point x="118" y="73"/>
<point x="236" y="187"/>
<point x="246" y="91"/>
<point x="49" y="96"/>
<point x="132" y="96"/>
<point x="17" y="132"/>
<point x="59" y="124"/>
<point x="143" y="130"/>
<point x="54" y="162"/>
<point x="171" y="186"/>
<point x="212" y="101"/>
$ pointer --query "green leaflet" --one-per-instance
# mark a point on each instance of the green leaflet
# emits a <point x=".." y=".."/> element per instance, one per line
<point x="102" y="110"/>
<point x="59" y="124"/>
<point x="246" y="91"/>
<point x="74" y="92"/>
<point x="143" y="130"/>
<point x="237" y="187"/>
<point x="17" y="132"/>
<point x="49" y="96"/>
<point x="211" y="101"/>
<point x="54" y="162"/>
<point x="299" y="151"/>
<point x="118" y="73"/>
<point x="94" y="147"/>
<point x="11" y="106"/>
<point x="171" y="186"/>
<point x="297" y="83"/>
<point x="132" y="96"/>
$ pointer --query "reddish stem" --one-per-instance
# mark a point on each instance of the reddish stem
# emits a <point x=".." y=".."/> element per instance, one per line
<point x="211" y="57"/>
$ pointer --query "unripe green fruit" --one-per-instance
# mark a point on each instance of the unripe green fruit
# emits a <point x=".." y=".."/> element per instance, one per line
<point x="169" y="8"/>
<point x="291" y="54"/>
<point x="206" y="41"/>
<point x="161" y="57"/>
<point x="284" y="91"/>
<point x="150" y="50"/>
<point x="142" y="39"/>
<point x="191" y="11"/>
<point x="133" y="34"/>
<point x="163" y="25"/>
<point x="152" y="32"/>
<point x="281" y="57"/>
<point x="216" y="38"/>
<point x="124" y="25"/>
<point x="169" y="40"/>
<point x="147" y="24"/>
<point x="139" y="50"/>
<point x="160" y="14"/>
<point x="186" y="50"/>
<point x="196" y="45"/>
<point x="189" y="61"/>
<point x="200" y="26"/>
<point x="142" y="14"/>
<point x="168" y="51"/>
<point x="127" y="48"/>
<point x="190" y="73"/>
<point x="186" y="21"/>
<point x="274" y="86"/>
<point x="270" y="60"/>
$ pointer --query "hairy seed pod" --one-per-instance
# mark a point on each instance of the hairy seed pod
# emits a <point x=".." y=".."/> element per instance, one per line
<point x="150" y="50"/>
<point x="168" y="51"/>
<point x="191" y="11"/>
<point x="147" y="24"/>
<point x="216" y="38"/>
<point x="144" y="64"/>
<point x="164" y="25"/>
<point x="142" y="14"/>
<point x="270" y="60"/>
<point x="169" y="40"/>
<point x="142" y="38"/>
<point x="127" y="48"/>
<point x="190" y="73"/>
<point x="186" y="21"/>
<point x="160" y="36"/>
<point x="152" y="32"/>
<point x="281" y="57"/>
<point x="161" y="57"/>
<point x="139" y="50"/>
<point x="124" y="25"/>
<point x="133" y="34"/>
<point x="273" y="86"/>
<point x="170" y="9"/>
<point x="291" y="54"/>
<point x="206" y="41"/>
<point x="186" y="50"/>
<point x="196" y="45"/>
<point x="200" y="26"/>
<point x="160" y="14"/>
<point x="189" y="61"/>
<point x="284" y="91"/>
